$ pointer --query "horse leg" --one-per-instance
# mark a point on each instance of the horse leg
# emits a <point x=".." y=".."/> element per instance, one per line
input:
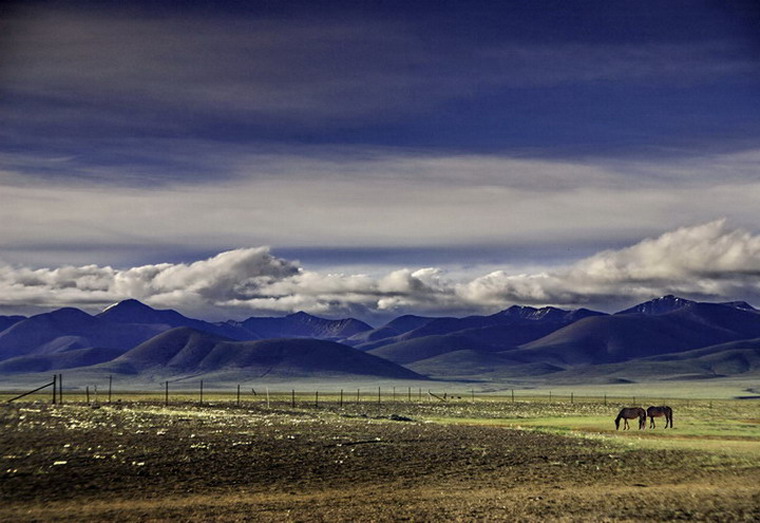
<point x="651" y="422"/>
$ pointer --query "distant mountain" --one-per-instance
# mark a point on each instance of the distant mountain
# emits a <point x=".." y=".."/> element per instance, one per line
<point x="416" y="349"/>
<point x="665" y="337"/>
<point x="187" y="351"/>
<point x="302" y="325"/>
<point x="69" y="329"/>
<point x="741" y="358"/>
<point x="740" y="305"/>
<point x="501" y="331"/>
<point x="135" y="312"/>
<point x="59" y="360"/>
<point x="520" y="313"/>
<point x="605" y="339"/>
<point x="395" y="327"/>
<point x="8" y="321"/>
<point x="657" y="306"/>
<point x="732" y="358"/>
<point x="476" y="364"/>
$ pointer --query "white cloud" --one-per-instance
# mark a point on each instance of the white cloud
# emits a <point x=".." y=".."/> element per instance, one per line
<point x="711" y="260"/>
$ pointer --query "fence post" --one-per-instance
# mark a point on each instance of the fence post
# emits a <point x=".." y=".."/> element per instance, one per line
<point x="55" y="387"/>
<point x="293" y="398"/>
<point x="409" y="394"/>
<point x="316" y="399"/>
<point x="605" y="399"/>
<point x="341" y="397"/>
<point x="60" y="389"/>
<point x="238" y="395"/>
<point x="513" y="395"/>
<point x="110" y="384"/>
<point x="571" y="398"/>
<point x="87" y="394"/>
<point x="550" y="396"/>
<point x="358" y="398"/>
<point x="378" y="395"/>
<point x="166" y="394"/>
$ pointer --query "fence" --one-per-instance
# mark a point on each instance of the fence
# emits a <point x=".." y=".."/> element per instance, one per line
<point x="181" y="393"/>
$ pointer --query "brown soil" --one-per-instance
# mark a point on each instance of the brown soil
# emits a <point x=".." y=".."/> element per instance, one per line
<point x="144" y="462"/>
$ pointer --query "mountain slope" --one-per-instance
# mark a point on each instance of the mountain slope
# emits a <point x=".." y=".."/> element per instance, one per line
<point x="59" y="360"/>
<point x="135" y="312"/>
<point x="303" y="325"/>
<point x="8" y="321"/>
<point x="69" y="329"/>
<point x="620" y="337"/>
<point x="525" y="324"/>
<point x="185" y="351"/>
<point x="395" y="327"/>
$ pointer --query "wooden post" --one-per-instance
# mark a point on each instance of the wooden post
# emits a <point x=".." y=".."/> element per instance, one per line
<point x="238" y="395"/>
<point x="550" y="396"/>
<point x="571" y="397"/>
<point x="419" y="394"/>
<point x="110" y="385"/>
<point x="87" y="394"/>
<point x="341" y="397"/>
<point x="513" y="395"/>
<point x="293" y="398"/>
<point x="473" y="395"/>
<point x="378" y="395"/>
<point x="634" y="400"/>
<point x="166" y="394"/>
<point x="409" y="395"/>
<point x="60" y="389"/>
<point x="55" y="387"/>
<point x="605" y="399"/>
<point x="358" y="397"/>
<point x="267" y="397"/>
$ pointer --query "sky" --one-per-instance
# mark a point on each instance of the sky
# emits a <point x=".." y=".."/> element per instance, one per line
<point x="372" y="159"/>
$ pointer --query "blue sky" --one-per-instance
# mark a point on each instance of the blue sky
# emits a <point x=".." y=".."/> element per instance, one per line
<point x="364" y="138"/>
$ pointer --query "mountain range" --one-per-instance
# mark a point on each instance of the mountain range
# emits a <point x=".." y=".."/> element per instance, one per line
<point x="668" y="337"/>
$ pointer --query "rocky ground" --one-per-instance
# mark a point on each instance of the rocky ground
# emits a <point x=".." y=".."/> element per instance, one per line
<point x="149" y="462"/>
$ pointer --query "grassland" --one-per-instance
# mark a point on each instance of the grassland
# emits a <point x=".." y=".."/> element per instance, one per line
<point x="404" y="457"/>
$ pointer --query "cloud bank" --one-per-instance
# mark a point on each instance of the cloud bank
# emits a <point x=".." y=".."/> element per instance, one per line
<point x="709" y="261"/>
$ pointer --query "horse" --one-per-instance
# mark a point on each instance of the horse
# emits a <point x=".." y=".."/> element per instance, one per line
<point x="657" y="412"/>
<point x="631" y="413"/>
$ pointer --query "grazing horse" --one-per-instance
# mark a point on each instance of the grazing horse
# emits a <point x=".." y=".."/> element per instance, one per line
<point x="631" y="413"/>
<point x="657" y="412"/>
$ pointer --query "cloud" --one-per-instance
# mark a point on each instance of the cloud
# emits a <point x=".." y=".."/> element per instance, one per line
<point x="712" y="260"/>
<point x="705" y="261"/>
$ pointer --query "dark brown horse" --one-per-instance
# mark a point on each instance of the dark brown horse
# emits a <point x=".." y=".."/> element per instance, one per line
<point x="631" y="413"/>
<point x="659" y="412"/>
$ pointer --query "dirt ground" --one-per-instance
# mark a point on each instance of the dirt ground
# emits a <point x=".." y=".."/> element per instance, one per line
<point x="146" y="462"/>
